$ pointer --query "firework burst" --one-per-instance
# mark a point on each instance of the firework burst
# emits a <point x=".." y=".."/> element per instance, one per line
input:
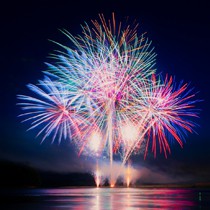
<point x="103" y="93"/>
<point x="165" y="112"/>
<point x="51" y="111"/>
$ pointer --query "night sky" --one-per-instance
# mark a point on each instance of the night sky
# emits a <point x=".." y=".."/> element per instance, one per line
<point x="180" y="31"/>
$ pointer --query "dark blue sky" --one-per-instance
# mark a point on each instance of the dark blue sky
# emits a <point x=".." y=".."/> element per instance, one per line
<point x="180" y="31"/>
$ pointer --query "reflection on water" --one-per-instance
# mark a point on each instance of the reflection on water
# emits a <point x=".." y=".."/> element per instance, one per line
<point x="105" y="198"/>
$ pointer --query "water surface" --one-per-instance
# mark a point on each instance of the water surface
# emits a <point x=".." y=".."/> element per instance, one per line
<point x="105" y="198"/>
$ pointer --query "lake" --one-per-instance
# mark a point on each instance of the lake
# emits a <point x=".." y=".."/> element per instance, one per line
<point x="105" y="198"/>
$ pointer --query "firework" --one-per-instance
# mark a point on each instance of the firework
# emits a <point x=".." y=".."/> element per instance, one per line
<point x="51" y="111"/>
<point x="166" y="113"/>
<point x="103" y="94"/>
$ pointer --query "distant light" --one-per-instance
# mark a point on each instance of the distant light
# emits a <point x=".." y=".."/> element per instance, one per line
<point x="94" y="141"/>
<point x="129" y="132"/>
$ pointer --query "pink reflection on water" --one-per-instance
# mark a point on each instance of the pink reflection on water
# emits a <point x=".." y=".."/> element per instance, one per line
<point x="118" y="198"/>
